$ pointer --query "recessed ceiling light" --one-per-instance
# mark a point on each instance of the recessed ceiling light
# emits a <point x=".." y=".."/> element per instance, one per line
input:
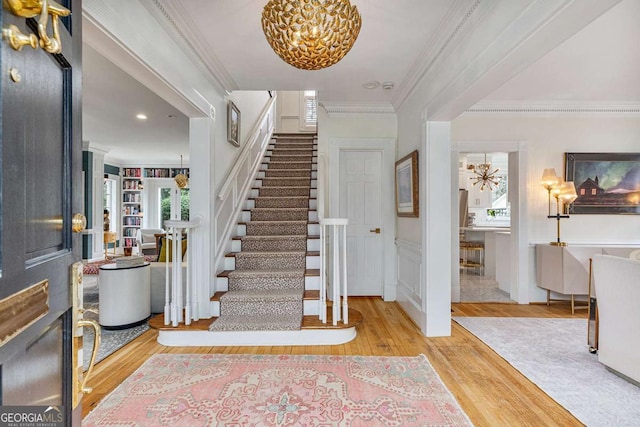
<point x="371" y="85"/>
<point x="387" y="85"/>
<point x="141" y="116"/>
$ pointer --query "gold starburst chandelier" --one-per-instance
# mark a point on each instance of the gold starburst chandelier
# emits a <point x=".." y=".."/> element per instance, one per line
<point x="484" y="175"/>
<point x="311" y="34"/>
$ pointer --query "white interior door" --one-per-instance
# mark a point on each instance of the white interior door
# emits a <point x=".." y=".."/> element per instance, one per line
<point x="360" y="201"/>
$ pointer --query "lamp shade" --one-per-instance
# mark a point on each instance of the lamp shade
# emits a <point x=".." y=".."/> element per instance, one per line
<point x="311" y="34"/>
<point x="568" y="192"/>
<point x="549" y="178"/>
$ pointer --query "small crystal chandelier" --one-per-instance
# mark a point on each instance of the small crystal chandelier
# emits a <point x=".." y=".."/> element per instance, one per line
<point x="181" y="179"/>
<point x="311" y="34"/>
<point x="484" y="175"/>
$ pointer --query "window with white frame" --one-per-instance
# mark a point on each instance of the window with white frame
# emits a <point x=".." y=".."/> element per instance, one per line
<point x="309" y="117"/>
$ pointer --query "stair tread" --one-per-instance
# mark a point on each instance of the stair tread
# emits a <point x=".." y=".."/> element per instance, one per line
<point x="291" y="272"/>
<point x="252" y="295"/>
<point x="263" y="253"/>
<point x="297" y="221"/>
<point x="282" y="186"/>
<point x="308" y="272"/>
<point x="270" y="253"/>
<point x="279" y="197"/>
<point x="275" y="237"/>
<point x="279" y="209"/>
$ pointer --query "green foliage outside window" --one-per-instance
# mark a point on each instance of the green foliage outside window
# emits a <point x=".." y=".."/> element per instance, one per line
<point x="165" y="205"/>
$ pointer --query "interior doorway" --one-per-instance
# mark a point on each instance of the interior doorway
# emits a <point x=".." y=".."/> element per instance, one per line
<point x="512" y="253"/>
<point x="485" y="226"/>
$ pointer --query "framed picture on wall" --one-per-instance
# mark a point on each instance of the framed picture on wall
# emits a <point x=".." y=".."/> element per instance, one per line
<point x="407" y="203"/>
<point x="606" y="183"/>
<point x="233" y="124"/>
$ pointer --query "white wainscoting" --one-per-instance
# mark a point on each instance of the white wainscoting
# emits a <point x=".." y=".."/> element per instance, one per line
<point x="410" y="292"/>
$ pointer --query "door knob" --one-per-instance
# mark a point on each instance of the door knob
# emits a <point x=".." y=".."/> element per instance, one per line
<point x="375" y="230"/>
<point x="78" y="223"/>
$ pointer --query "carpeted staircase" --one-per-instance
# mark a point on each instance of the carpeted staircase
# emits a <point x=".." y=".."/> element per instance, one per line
<point x="266" y="286"/>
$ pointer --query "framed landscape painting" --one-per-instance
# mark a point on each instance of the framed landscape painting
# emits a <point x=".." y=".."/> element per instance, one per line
<point x="233" y="124"/>
<point x="407" y="186"/>
<point x="606" y="183"/>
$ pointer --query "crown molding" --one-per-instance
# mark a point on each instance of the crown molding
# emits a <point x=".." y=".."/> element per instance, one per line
<point x="452" y="24"/>
<point x="173" y="16"/>
<point x="488" y="45"/>
<point x="553" y="107"/>
<point x="365" y="110"/>
<point x="95" y="148"/>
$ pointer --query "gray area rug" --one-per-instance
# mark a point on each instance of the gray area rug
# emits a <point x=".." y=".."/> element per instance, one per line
<point x="475" y="288"/>
<point x="553" y="353"/>
<point x="111" y="340"/>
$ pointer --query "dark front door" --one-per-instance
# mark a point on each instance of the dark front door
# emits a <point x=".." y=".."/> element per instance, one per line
<point x="41" y="155"/>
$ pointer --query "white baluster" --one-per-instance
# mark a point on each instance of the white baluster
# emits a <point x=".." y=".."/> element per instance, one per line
<point x="322" y="309"/>
<point x="345" y="305"/>
<point x="167" y="282"/>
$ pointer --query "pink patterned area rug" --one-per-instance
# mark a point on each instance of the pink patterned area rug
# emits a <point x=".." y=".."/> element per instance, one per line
<point x="288" y="390"/>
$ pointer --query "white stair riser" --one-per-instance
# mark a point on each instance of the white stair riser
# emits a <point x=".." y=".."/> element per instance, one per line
<point x="313" y="262"/>
<point x="313" y="244"/>
<point x="229" y="263"/>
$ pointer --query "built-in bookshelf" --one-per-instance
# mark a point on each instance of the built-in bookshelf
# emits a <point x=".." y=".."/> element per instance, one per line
<point x="165" y="172"/>
<point x="132" y="197"/>
<point x="132" y="186"/>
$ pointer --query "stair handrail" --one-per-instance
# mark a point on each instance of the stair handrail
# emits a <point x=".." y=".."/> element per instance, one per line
<point x="246" y="149"/>
<point x="261" y="135"/>
<point x="321" y="180"/>
<point x="179" y="308"/>
<point x="336" y="230"/>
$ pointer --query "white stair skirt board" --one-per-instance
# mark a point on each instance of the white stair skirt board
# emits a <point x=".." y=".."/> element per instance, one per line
<point x="183" y="338"/>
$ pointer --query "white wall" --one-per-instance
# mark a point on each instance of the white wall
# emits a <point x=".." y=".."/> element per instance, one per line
<point x="549" y="138"/>
<point x="425" y="291"/>
<point x="355" y="131"/>
<point x="290" y="112"/>
<point x="350" y="126"/>
<point x="250" y="104"/>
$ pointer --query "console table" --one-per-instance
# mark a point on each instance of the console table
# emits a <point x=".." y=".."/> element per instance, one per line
<point x="124" y="295"/>
<point x="565" y="269"/>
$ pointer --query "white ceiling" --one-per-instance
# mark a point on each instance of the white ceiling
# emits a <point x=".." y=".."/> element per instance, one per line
<point x="598" y="64"/>
<point x="601" y="63"/>
<point x="111" y="99"/>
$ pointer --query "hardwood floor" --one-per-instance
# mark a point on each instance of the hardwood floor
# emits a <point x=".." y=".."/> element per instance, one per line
<point x="490" y="391"/>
